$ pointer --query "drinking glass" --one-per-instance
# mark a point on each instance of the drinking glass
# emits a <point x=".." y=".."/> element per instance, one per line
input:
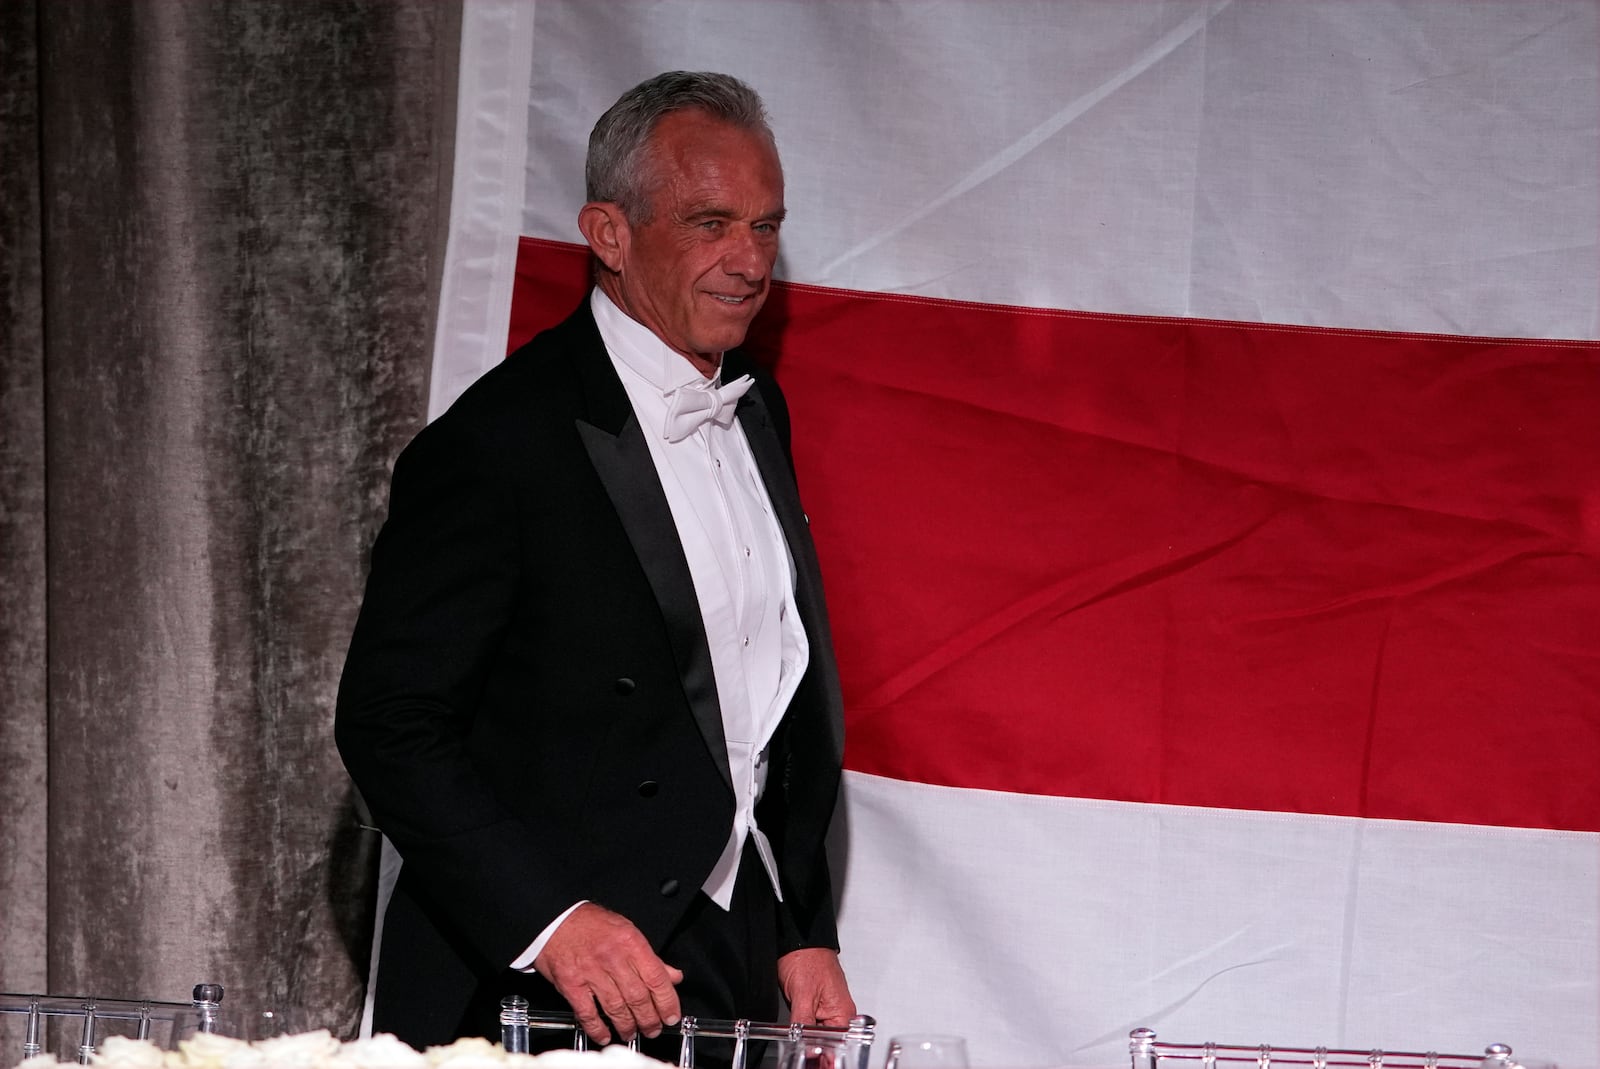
<point x="828" y="1052"/>
<point x="926" y="1052"/>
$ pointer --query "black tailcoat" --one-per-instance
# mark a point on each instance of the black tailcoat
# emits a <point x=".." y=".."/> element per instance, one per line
<point x="528" y="705"/>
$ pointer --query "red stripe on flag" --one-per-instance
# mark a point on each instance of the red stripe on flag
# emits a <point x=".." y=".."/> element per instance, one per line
<point x="1192" y="562"/>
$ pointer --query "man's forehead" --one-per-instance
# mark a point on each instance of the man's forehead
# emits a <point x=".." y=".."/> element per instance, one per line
<point x="719" y="171"/>
<point x="691" y="132"/>
<point x="693" y="196"/>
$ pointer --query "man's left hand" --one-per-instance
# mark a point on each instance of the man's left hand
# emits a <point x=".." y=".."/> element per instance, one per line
<point x="814" y="984"/>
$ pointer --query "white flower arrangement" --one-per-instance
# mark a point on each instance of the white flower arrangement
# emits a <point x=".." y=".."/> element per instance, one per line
<point x="319" y="1050"/>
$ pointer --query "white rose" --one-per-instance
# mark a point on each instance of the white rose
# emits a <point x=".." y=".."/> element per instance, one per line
<point x="473" y="1052"/>
<point x="306" y="1050"/>
<point x="125" y="1053"/>
<point x="615" y="1056"/>
<point x="560" y="1059"/>
<point x="246" y="1057"/>
<point x="526" y="1061"/>
<point x="382" y="1051"/>
<point x="39" y="1061"/>
<point x="618" y="1056"/>
<point x="207" y="1050"/>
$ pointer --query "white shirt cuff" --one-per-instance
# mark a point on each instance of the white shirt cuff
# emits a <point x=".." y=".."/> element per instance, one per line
<point x="525" y="960"/>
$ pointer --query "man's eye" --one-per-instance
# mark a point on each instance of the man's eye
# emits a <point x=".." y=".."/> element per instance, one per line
<point x="766" y="228"/>
<point x="711" y="226"/>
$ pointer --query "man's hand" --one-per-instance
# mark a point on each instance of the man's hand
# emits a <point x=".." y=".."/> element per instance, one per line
<point x="814" y="984"/>
<point x="596" y="955"/>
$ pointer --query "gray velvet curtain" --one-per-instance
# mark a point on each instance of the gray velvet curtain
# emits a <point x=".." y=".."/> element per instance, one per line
<point x="221" y="222"/>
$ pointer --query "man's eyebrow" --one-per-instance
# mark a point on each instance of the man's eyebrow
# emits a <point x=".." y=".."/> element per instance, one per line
<point x="709" y="212"/>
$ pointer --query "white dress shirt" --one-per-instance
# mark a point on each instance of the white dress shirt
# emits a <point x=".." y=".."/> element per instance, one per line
<point x="743" y="576"/>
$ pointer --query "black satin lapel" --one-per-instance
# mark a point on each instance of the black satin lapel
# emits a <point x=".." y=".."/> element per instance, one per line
<point x="624" y="465"/>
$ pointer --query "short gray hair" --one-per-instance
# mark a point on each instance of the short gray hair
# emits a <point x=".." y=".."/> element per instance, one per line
<point x="618" y="168"/>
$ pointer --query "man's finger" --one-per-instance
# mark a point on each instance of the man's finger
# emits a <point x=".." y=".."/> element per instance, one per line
<point x="583" y="1007"/>
<point x="658" y="979"/>
<point x="637" y="996"/>
<point x="801" y="1013"/>
<point x="642" y="1010"/>
<point x="815" y="986"/>
<point x="597" y="956"/>
<point x="616" y="1006"/>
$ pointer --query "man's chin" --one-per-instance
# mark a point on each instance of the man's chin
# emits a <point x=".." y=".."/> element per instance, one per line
<point x="720" y="341"/>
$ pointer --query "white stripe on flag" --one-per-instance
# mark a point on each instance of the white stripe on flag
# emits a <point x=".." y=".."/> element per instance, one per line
<point x="485" y="196"/>
<point x="1045" y="929"/>
<point x="1414" y="165"/>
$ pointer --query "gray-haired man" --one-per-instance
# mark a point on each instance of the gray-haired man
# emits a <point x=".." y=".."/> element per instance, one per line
<point x="591" y="697"/>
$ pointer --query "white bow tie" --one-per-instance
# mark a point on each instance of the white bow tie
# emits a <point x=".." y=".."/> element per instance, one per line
<point x="691" y="406"/>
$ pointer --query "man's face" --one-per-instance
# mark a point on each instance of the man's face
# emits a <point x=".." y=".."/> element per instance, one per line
<point x="698" y="272"/>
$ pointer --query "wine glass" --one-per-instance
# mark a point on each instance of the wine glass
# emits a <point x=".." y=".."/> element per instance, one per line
<point x="812" y="1051"/>
<point x="926" y="1052"/>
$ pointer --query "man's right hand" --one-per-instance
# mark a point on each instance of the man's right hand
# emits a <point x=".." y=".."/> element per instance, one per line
<point x="596" y="955"/>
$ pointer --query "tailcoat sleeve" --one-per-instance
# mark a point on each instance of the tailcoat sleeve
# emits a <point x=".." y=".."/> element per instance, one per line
<point x="440" y="595"/>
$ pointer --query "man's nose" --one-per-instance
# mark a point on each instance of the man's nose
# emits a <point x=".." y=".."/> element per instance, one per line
<point x="746" y="256"/>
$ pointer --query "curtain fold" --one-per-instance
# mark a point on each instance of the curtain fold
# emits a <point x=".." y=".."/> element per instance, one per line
<point x="23" y="758"/>
<point x="224" y="343"/>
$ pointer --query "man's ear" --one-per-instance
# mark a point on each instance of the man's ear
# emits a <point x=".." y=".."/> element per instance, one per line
<point x="605" y="228"/>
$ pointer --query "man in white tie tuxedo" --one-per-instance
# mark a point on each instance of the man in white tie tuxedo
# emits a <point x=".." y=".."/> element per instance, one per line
<point x="591" y="696"/>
